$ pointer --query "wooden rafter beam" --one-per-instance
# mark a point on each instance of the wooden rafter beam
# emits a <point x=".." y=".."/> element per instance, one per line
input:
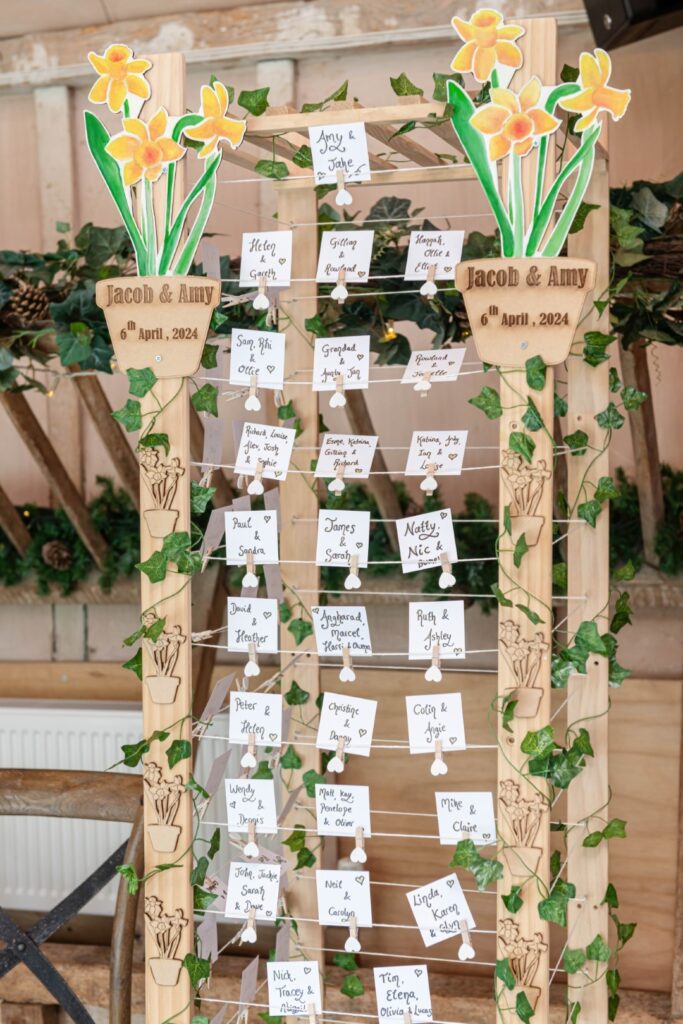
<point x="111" y="435"/>
<point x="40" y="447"/>
<point x="266" y="124"/>
<point x="13" y="525"/>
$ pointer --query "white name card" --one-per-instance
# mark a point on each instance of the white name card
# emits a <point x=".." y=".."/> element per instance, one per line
<point x="350" y="251"/>
<point x="341" y="894"/>
<point x="440" y="249"/>
<point x="342" y="534"/>
<point x="271" y="446"/>
<point x="251" y="532"/>
<point x="257" y="714"/>
<point x="403" y="990"/>
<point x="423" y="539"/>
<point x="266" y="254"/>
<point x="340" y="810"/>
<point x="439" y="907"/>
<point x="348" y="358"/>
<point x="433" y="623"/>
<point x="441" y="364"/>
<point x="339" y="147"/>
<point x="293" y="985"/>
<point x="253" y="887"/>
<point x="351" y="719"/>
<point x="253" y="620"/>
<point x="340" y="626"/>
<point x="465" y="816"/>
<point x="444" y="450"/>
<point x="260" y="354"/>
<point x="354" y="452"/>
<point x="251" y="801"/>
<point x="435" y="718"/>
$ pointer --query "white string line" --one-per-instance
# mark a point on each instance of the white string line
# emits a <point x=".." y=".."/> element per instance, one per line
<point x="378" y="924"/>
<point x="249" y="471"/>
<point x="377" y="745"/>
<point x="421" y="814"/>
<point x="353" y="225"/>
<point x="378" y="667"/>
<point x="321" y="296"/>
<point x="421" y="597"/>
<point x="389" y="561"/>
<point x="340" y="1013"/>
<point x="374" y="174"/>
<point x="308" y="370"/>
<point x="396" y="885"/>
<point x="455" y="519"/>
<point x="398" y="956"/>
<point x="313" y="832"/>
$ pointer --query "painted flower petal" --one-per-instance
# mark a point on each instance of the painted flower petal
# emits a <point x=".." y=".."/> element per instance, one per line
<point x="170" y="149"/>
<point x="208" y="148"/>
<point x="463" y="59"/>
<point x="508" y="54"/>
<point x="489" y="119"/>
<point x="154" y="173"/>
<point x="614" y="100"/>
<point x="204" y="130"/>
<point x="510" y="32"/>
<point x="530" y="94"/>
<point x="222" y="96"/>
<point x="118" y="52"/>
<point x="463" y="28"/>
<point x="116" y="95"/>
<point x="505" y="98"/>
<point x="231" y="129"/>
<point x="139" y="86"/>
<point x="134" y="126"/>
<point x="100" y="65"/>
<point x="138" y="66"/>
<point x="499" y="147"/>
<point x="605" y="65"/>
<point x="484" y="63"/>
<point x="544" y="123"/>
<point x="522" y="148"/>
<point x="485" y="18"/>
<point x="210" y="104"/>
<point x="122" y="147"/>
<point x="589" y="70"/>
<point x="98" y="93"/>
<point x="132" y="172"/>
<point x="586" y="121"/>
<point x="157" y="126"/>
<point x="580" y="103"/>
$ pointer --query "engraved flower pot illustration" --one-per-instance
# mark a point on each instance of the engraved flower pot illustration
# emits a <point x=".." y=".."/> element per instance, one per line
<point x="524" y="482"/>
<point x="165" y="971"/>
<point x="162" y="689"/>
<point x="164" y="796"/>
<point x="162" y="645"/>
<point x="520" y="822"/>
<point x="521" y="861"/>
<point x="530" y="526"/>
<point x="164" y="838"/>
<point x="524" y="955"/>
<point x="507" y="1002"/>
<point x="160" y="521"/>
<point x="160" y="322"/>
<point x="524" y="307"/>
<point x="528" y="700"/>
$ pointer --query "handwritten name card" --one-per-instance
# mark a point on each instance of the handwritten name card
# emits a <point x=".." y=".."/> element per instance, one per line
<point x="266" y="254"/>
<point x="423" y="539"/>
<point x="403" y="990"/>
<point x="339" y="147"/>
<point x="342" y="893"/>
<point x="260" y="354"/>
<point x="350" y="251"/>
<point x="465" y="816"/>
<point x="257" y="714"/>
<point x="436" y="622"/>
<point x="251" y="801"/>
<point x="354" y="452"/>
<point x="440" y="249"/>
<point x="439" y="907"/>
<point x="292" y="987"/>
<point x="351" y="719"/>
<point x="340" y="626"/>
<point x="340" y="810"/>
<point x="251" y="532"/>
<point x="348" y="358"/>
<point x="435" y="718"/>
<point x="441" y="449"/>
<point x="253" y="887"/>
<point x="271" y="446"/>
<point x="342" y="534"/>
<point x="253" y="620"/>
<point x="441" y="364"/>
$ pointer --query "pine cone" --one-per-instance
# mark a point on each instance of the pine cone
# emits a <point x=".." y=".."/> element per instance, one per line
<point x="27" y="305"/>
<point x="56" y="554"/>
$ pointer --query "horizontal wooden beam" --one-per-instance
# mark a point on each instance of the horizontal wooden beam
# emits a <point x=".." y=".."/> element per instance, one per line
<point x="51" y="793"/>
<point x="394" y="113"/>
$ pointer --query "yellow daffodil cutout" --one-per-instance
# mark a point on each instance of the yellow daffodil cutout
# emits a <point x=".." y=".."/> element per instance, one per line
<point x="514" y="122"/>
<point x="487" y="42"/>
<point x="120" y="74"/>
<point x="143" y="149"/>
<point x="216" y="127"/>
<point x="596" y="94"/>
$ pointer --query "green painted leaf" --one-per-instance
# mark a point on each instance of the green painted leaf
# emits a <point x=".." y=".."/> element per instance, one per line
<point x="97" y="138"/>
<point x="507" y="522"/>
<point x="141" y="381"/>
<point x="488" y="400"/>
<point x="522" y="444"/>
<point x="576" y="442"/>
<point x="523" y="1007"/>
<point x="521" y="548"/>
<point x="402" y="86"/>
<point x="129" y="416"/>
<point x="276" y="169"/>
<point x="535" y="372"/>
<point x="255" y="100"/>
<point x="205" y="399"/>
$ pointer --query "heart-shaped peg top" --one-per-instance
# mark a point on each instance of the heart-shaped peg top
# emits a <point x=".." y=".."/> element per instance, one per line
<point x="428" y="288"/>
<point x="422" y="385"/>
<point x="248" y="935"/>
<point x="343" y="197"/>
<point x="248" y="760"/>
<point x="352" y="945"/>
<point x="428" y="484"/>
<point x="250" y="579"/>
<point x="335" y="764"/>
<point x="251" y="850"/>
<point x="340" y="293"/>
<point x="252" y="669"/>
<point x="255" y="487"/>
<point x="466" y="952"/>
<point x="352" y="582"/>
<point x="433" y="674"/>
<point x="358" y="855"/>
<point x="439" y="768"/>
<point x="336" y="486"/>
<point x="261" y="301"/>
<point x="446" y="580"/>
<point x="347" y="675"/>
<point x="337" y="400"/>
<point x="253" y="404"/>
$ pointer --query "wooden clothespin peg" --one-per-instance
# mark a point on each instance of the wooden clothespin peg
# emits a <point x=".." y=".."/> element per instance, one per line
<point x="439" y="766"/>
<point x="338" y="398"/>
<point x="407" y="1017"/>
<point x="251" y="848"/>
<point x="253" y="402"/>
<point x="262" y="301"/>
<point x="336" y="764"/>
<point x="429" y="483"/>
<point x="337" y="485"/>
<point x="466" y="951"/>
<point x="249" y="757"/>
<point x="352" y="581"/>
<point x="346" y="673"/>
<point x="340" y="292"/>
<point x="252" y="666"/>
<point x="358" y="854"/>
<point x="429" y="287"/>
<point x="343" y="196"/>
<point x="256" y="485"/>
<point x="352" y="944"/>
<point x="312" y="1015"/>
<point x="446" y="579"/>
<point x="249" y="930"/>
<point x="433" y="673"/>
<point x="250" y="579"/>
<point x="424" y="384"/>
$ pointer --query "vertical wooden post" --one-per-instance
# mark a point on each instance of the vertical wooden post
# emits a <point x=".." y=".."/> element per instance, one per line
<point x="299" y="498"/>
<point x="171" y="598"/>
<point x="588" y="573"/>
<point x="534" y="582"/>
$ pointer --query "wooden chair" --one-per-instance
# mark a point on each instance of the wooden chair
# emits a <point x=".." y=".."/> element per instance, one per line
<point x="99" y="796"/>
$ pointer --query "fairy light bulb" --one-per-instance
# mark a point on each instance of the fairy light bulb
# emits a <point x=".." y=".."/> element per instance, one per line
<point x="389" y="332"/>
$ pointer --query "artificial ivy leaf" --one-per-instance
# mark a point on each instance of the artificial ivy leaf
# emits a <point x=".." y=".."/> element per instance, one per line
<point x="200" y="497"/>
<point x="300" y="629"/>
<point x="290" y="758"/>
<point x="614" y="381"/>
<point x="296" y="695"/>
<point x="178" y="751"/>
<point x="582" y="743"/>
<point x="615" y="829"/>
<point x="311" y="779"/>
<point x="488" y="400"/>
<point x="305" y="858"/>
<point x="210" y="356"/>
<point x="263" y="771"/>
<point x="203" y="899"/>
<point x="622" y="612"/>
<point x="194" y="787"/>
<point x="611" y="898"/>
<point x="625" y="572"/>
<point x="580" y="216"/>
<point x="285" y="612"/>
<point x="632" y="398"/>
<point x="504" y="973"/>
<point x="303" y="157"/>
<point x="484" y="869"/>
<point x="500" y="597"/>
<point x="595" y="347"/>
<point x="198" y="968"/>
<point x="507" y="522"/>
<point x="134" y="664"/>
<point x="513" y="901"/>
<point x="409" y="126"/>
<point x="128" y="872"/>
<point x="598" y="950"/>
<point x="215" y="842"/>
<point x="141" y="381"/>
<point x="198" y="873"/>
<point x="352" y="986"/>
<point x="588" y="640"/>
<point x="606" y="489"/>
<point x="176" y="548"/>
<point x="74" y="345"/>
<point x="521" y="548"/>
<point x="129" y="416"/>
<point x="569" y="73"/>
<point x="276" y="169"/>
<point x="535" y="372"/>
<point x="560" y="406"/>
<point x="255" y="100"/>
<point x="523" y="1007"/>
<point x="402" y="86"/>
<point x="593" y="839"/>
<point x="559" y="572"/>
<point x="522" y="444"/>
<point x="205" y="399"/>
<point x="613" y="979"/>
<point x="610" y="418"/>
<point x="539" y="743"/>
<point x="532" y="419"/>
<point x="589" y="511"/>
<point x="200" y="1018"/>
<point x="154" y="567"/>
<point x="316" y="326"/>
<point x="440" y="92"/>
<point x="134" y="752"/>
<point x="573" y="960"/>
<point x="624" y="931"/>
<point x="155" y="441"/>
<point x="509" y="706"/>
<point x="576" y="442"/>
<point x="554" y="908"/>
<point x="347" y="961"/>
<point x="296" y="840"/>
<point x="531" y="615"/>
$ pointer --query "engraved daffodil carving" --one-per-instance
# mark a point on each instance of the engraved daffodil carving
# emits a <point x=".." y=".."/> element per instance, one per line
<point x="144" y="149"/>
<point x="216" y="127"/>
<point x="514" y="122"/>
<point x="596" y="95"/>
<point x="119" y="75"/>
<point x="488" y="41"/>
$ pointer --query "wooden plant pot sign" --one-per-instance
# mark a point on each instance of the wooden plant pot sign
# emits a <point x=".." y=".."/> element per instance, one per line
<point x="165" y="970"/>
<point x="161" y="322"/>
<point x="521" y="861"/>
<point x="164" y="838"/>
<point x="162" y="689"/>
<point x="520" y="308"/>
